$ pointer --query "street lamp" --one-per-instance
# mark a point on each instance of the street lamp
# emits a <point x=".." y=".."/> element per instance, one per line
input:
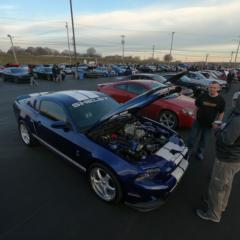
<point x="13" y="50"/>
<point x="74" y="41"/>
<point x="170" y="53"/>
<point x="123" y="45"/>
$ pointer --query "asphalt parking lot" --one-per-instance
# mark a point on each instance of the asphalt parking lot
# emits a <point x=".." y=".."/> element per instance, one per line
<point x="44" y="197"/>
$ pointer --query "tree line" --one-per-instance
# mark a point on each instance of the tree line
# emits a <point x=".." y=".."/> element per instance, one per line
<point x="37" y="51"/>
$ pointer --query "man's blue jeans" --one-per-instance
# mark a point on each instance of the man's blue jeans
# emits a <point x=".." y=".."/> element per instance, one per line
<point x="199" y="131"/>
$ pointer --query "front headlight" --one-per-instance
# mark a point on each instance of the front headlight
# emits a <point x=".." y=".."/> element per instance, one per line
<point x="149" y="173"/>
<point x="188" y="112"/>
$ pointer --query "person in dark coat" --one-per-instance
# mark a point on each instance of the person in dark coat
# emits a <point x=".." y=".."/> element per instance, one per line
<point x="227" y="164"/>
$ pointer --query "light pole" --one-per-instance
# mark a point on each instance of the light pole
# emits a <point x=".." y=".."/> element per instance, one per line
<point x="153" y="51"/>
<point x="170" y="53"/>
<point x="123" y="46"/>
<point x="237" y="51"/>
<point x="74" y="41"/>
<point x="69" y="49"/>
<point x="206" y="58"/>
<point x="231" y="58"/>
<point x="73" y="31"/>
<point x="13" y="50"/>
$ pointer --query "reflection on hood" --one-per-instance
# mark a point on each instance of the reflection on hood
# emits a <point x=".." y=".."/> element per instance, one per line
<point x="237" y="105"/>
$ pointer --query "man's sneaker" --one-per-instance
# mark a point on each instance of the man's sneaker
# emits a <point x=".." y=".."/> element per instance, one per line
<point x="199" y="156"/>
<point x="205" y="215"/>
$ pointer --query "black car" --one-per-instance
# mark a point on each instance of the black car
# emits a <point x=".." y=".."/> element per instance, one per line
<point x="16" y="74"/>
<point x="146" y="69"/>
<point x="43" y="73"/>
<point x="180" y="79"/>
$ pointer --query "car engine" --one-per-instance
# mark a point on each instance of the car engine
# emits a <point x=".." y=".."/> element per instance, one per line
<point x="131" y="138"/>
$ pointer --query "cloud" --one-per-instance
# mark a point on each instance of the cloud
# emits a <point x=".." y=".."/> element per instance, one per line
<point x="208" y="26"/>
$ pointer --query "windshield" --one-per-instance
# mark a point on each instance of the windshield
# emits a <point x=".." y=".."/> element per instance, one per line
<point x="185" y="78"/>
<point x="159" y="78"/>
<point x="86" y="114"/>
<point x="18" y="70"/>
<point x="200" y="75"/>
<point x="156" y="85"/>
<point x="48" y="70"/>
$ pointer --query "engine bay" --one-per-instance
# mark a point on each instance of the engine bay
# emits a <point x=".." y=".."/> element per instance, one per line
<point x="130" y="137"/>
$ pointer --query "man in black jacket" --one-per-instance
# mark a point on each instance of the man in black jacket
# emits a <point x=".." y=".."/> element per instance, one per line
<point x="210" y="108"/>
<point x="227" y="164"/>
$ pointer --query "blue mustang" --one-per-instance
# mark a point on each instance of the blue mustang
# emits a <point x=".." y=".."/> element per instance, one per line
<point x="126" y="157"/>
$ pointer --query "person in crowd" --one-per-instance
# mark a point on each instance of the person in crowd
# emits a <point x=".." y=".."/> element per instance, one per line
<point x="33" y="77"/>
<point x="210" y="110"/>
<point x="62" y="75"/>
<point x="55" y="72"/>
<point x="227" y="164"/>
<point x="58" y="72"/>
<point x="230" y="78"/>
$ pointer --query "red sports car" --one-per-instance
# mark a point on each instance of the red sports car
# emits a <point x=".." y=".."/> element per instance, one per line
<point x="175" y="111"/>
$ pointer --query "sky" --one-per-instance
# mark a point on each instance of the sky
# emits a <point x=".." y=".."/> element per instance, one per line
<point x="201" y="26"/>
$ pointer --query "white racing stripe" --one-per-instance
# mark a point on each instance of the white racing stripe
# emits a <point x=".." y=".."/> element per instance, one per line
<point x="37" y="94"/>
<point x="164" y="153"/>
<point x="89" y="94"/>
<point x="184" y="164"/>
<point x="76" y="95"/>
<point x="173" y="146"/>
<point x="177" y="173"/>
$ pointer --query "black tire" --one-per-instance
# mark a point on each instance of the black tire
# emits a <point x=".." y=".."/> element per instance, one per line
<point x="173" y="119"/>
<point x="32" y="141"/>
<point x="114" y="183"/>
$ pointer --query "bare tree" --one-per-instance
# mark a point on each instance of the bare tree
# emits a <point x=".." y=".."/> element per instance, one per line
<point x="167" y="58"/>
<point x="91" y="52"/>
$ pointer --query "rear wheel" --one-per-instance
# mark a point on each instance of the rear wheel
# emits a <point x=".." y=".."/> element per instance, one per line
<point x="104" y="183"/>
<point x="168" y="119"/>
<point x="26" y="135"/>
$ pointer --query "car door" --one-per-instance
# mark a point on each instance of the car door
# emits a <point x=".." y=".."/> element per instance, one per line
<point x="60" y="140"/>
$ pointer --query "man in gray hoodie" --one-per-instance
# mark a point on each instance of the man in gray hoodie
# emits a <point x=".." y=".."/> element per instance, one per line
<point x="227" y="164"/>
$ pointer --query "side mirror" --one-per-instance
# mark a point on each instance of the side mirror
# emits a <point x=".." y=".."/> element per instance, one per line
<point x="61" y="125"/>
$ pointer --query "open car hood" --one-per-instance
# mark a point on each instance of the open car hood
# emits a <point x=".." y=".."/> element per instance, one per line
<point x="174" y="79"/>
<point x="139" y="102"/>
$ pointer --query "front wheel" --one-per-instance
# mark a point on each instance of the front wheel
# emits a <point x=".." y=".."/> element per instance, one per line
<point x="104" y="183"/>
<point x="168" y="119"/>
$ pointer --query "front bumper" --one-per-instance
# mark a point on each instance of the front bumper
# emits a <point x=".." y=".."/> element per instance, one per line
<point x="150" y="197"/>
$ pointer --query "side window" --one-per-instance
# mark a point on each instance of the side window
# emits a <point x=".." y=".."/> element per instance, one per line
<point x="121" y="87"/>
<point x="52" y="111"/>
<point x="136" y="89"/>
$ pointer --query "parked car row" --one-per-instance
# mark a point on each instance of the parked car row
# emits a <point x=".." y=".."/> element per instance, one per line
<point x="123" y="135"/>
